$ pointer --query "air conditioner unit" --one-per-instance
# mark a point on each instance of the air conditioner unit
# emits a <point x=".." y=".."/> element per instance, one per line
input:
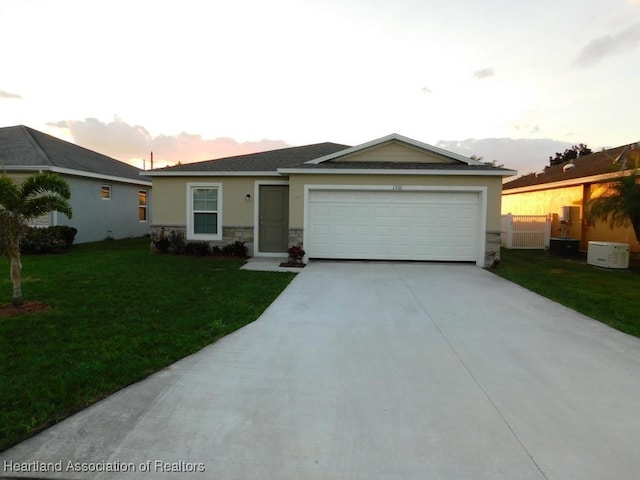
<point x="608" y="254"/>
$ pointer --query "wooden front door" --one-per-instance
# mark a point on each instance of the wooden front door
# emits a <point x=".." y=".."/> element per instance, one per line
<point x="274" y="218"/>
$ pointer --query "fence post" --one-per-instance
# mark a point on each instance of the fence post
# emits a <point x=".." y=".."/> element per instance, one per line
<point x="509" y="230"/>
<point x="547" y="231"/>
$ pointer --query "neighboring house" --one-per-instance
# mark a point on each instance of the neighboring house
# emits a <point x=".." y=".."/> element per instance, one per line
<point x="572" y="184"/>
<point x="109" y="198"/>
<point x="389" y="199"/>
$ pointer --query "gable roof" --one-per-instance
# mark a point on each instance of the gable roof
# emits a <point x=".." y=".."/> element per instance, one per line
<point x="253" y="163"/>
<point x="25" y="149"/>
<point x="397" y="138"/>
<point x="453" y="164"/>
<point x="329" y="158"/>
<point x="594" y="167"/>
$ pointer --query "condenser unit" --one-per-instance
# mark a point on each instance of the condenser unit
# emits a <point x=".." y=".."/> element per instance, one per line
<point x="608" y="254"/>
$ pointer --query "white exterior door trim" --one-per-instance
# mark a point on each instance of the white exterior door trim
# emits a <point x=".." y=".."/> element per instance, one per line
<point x="256" y="218"/>
<point x="480" y="190"/>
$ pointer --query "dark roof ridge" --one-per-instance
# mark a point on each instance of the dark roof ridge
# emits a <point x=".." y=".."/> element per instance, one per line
<point x="36" y="145"/>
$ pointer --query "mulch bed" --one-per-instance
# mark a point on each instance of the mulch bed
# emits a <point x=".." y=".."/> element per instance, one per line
<point x="8" y="311"/>
<point x="292" y="264"/>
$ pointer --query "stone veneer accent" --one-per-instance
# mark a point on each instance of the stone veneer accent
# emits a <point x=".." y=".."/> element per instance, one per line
<point x="233" y="233"/>
<point x="245" y="234"/>
<point x="229" y="234"/>
<point x="295" y="236"/>
<point x="492" y="248"/>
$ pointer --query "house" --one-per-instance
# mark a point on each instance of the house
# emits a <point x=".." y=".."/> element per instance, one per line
<point x="109" y="198"/>
<point x="393" y="198"/>
<point x="566" y="188"/>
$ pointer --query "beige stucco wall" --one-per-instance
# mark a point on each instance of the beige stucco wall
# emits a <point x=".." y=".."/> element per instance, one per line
<point x="170" y="196"/>
<point x="394" y="152"/>
<point x="543" y="202"/>
<point x="298" y="181"/>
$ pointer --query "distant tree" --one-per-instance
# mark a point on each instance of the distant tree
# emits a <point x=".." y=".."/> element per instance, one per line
<point x="493" y="163"/>
<point x="620" y="206"/>
<point x="572" y="153"/>
<point x="38" y="195"/>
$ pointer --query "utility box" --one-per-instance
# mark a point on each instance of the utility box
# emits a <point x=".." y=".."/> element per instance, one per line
<point x="569" y="214"/>
<point x="564" y="247"/>
<point x="608" y="254"/>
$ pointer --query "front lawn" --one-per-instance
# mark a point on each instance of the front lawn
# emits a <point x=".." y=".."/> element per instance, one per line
<point x="117" y="314"/>
<point x="610" y="296"/>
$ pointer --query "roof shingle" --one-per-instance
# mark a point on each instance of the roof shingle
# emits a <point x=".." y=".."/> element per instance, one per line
<point x="598" y="163"/>
<point x="22" y="146"/>
<point x="268" y="161"/>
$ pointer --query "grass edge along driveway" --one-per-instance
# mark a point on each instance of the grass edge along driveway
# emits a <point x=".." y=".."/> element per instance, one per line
<point x="610" y="296"/>
<point x="118" y="314"/>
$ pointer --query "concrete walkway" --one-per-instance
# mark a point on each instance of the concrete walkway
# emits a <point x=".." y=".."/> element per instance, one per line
<point x="375" y="371"/>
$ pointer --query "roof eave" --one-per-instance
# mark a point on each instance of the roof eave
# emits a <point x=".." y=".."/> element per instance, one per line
<point x="351" y="171"/>
<point x="76" y="173"/>
<point x="565" y="183"/>
<point x="210" y="173"/>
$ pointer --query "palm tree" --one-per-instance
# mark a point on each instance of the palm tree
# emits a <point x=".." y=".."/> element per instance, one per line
<point x="38" y="195"/>
<point x="620" y="206"/>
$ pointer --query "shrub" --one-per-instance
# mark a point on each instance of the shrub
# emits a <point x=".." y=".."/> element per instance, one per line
<point x="177" y="242"/>
<point x="235" y="249"/>
<point x="173" y="243"/>
<point x="48" y="239"/>
<point x="197" y="248"/>
<point x="296" y="252"/>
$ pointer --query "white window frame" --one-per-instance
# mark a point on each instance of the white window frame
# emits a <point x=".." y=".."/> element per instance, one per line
<point x="191" y="235"/>
<point x="108" y="189"/>
<point x="145" y="206"/>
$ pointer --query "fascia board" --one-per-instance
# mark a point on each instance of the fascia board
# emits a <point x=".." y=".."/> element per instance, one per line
<point x="340" y="171"/>
<point x="564" y="183"/>
<point x="77" y="173"/>
<point x="150" y="173"/>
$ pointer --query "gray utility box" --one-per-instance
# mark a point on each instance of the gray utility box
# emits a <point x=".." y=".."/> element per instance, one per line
<point x="608" y="254"/>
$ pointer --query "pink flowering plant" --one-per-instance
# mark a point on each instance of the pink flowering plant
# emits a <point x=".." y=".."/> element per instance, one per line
<point x="296" y="253"/>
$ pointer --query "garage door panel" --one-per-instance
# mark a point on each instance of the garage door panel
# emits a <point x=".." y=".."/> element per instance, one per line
<point x="416" y="225"/>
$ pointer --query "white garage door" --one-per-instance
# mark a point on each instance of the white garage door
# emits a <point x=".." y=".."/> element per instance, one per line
<point x="393" y="225"/>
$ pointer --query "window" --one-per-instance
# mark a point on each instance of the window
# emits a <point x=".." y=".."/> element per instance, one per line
<point x="142" y="205"/>
<point x="105" y="192"/>
<point x="204" y="215"/>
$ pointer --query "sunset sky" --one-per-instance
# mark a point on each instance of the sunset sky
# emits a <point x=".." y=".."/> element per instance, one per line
<point x="512" y="81"/>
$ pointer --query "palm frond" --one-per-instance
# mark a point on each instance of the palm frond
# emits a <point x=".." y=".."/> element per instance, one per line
<point x="620" y="206"/>
<point x="42" y="193"/>
<point x="45" y="181"/>
<point x="42" y="202"/>
<point x="9" y="193"/>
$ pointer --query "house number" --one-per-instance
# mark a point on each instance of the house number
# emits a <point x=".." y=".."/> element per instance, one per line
<point x="397" y="187"/>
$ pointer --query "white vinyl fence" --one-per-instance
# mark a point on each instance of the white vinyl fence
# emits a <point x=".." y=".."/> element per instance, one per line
<point x="525" y="231"/>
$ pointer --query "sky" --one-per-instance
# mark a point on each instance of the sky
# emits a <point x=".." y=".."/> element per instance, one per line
<point x="193" y="80"/>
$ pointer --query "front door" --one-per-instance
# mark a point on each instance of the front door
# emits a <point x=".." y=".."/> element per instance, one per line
<point x="274" y="218"/>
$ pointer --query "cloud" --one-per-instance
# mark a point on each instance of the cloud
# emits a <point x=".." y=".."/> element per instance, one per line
<point x="484" y="73"/>
<point x="522" y="154"/>
<point x="600" y="48"/>
<point x="427" y="91"/>
<point x="131" y="143"/>
<point x="4" y="94"/>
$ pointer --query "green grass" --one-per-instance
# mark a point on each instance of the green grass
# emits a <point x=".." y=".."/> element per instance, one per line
<point x="610" y="296"/>
<point x="118" y="314"/>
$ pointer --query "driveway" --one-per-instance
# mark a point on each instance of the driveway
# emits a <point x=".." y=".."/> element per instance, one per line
<point x="374" y="371"/>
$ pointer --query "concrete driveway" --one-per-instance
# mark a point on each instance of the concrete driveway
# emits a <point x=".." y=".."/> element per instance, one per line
<point x="374" y="371"/>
